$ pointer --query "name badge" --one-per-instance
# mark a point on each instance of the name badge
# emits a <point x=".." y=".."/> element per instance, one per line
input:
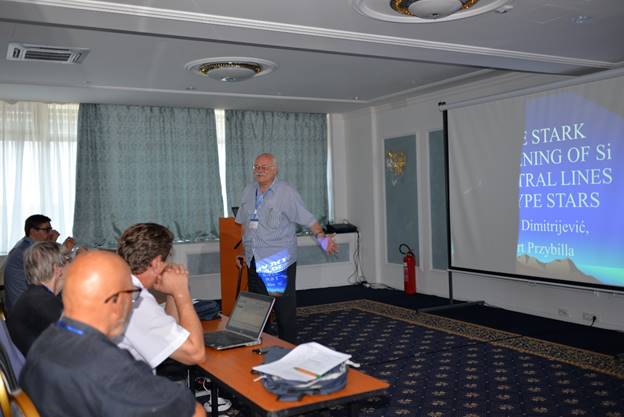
<point x="253" y="224"/>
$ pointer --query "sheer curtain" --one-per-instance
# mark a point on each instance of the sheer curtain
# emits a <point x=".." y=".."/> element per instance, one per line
<point x="146" y="164"/>
<point x="298" y="141"/>
<point x="37" y="166"/>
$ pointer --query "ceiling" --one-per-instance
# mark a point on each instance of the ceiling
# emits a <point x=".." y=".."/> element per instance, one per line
<point x="330" y="57"/>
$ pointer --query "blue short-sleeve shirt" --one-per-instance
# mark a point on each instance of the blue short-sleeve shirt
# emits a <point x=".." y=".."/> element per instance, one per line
<point x="279" y="211"/>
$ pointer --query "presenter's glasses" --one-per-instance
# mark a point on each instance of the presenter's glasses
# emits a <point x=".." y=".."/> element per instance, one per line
<point x="262" y="167"/>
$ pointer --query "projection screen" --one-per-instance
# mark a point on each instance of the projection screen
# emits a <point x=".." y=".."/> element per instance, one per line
<point x="536" y="185"/>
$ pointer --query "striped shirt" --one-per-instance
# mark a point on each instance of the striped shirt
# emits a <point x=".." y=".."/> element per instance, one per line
<point x="278" y="212"/>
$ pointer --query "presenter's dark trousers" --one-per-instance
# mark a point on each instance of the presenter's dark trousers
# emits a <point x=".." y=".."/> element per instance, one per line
<point x="285" y="306"/>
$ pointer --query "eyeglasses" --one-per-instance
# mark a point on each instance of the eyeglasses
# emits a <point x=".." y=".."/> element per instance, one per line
<point x="134" y="293"/>
<point x="47" y="229"/>
<point x="262" y="167"/>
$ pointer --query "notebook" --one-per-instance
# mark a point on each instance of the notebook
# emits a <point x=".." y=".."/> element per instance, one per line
<point x="246" y="323"/>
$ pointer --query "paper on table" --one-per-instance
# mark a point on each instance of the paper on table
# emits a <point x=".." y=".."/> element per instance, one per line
<point x="312" y="357"/>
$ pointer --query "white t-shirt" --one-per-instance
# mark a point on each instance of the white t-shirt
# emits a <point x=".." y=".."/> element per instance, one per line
<point x="152" y="335"/>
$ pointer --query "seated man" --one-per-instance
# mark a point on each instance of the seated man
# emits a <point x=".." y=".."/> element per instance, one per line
<point x="38" y="306"/>
<point x="37" y="228"/>
<point x="154" y="334"/>
<point x="74" y="369"/>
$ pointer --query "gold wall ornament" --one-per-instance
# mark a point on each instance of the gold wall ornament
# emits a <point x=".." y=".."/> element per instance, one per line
<point x="396" y="162"/>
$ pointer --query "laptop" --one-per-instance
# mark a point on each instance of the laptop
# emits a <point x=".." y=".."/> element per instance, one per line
<point x="245" y="326"/>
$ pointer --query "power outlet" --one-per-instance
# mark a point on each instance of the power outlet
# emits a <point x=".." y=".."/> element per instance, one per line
<point x="563" y="312"/>
<point x="591" y="317"/>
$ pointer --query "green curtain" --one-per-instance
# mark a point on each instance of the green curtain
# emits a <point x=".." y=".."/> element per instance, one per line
<point x="146" y="164"/>
<point x="297" y="140"/>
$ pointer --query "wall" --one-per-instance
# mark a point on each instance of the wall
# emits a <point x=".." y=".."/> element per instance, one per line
<point x="364" y="132"/>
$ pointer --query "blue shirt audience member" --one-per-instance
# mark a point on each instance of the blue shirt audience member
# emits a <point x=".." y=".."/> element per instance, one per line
<point x="36" y="228"/>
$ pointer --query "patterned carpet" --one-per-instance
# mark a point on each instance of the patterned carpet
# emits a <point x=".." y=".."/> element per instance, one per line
<point x="440" y="367"/>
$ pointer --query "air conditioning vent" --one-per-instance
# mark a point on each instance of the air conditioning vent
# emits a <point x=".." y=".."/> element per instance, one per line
<point x="30" y="52"/>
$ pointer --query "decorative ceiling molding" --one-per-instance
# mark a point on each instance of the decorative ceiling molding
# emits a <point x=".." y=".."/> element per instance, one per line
<point x="183" y="16"/>
<point x="185" y="92"/>
<point x="437" y="84"/>
<point x="474" y="88"/>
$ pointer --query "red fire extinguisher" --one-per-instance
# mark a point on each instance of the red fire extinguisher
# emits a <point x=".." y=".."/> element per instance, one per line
<point x="409" y="269"/>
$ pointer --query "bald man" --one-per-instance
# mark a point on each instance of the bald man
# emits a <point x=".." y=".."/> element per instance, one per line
<point x="75" y="369"/>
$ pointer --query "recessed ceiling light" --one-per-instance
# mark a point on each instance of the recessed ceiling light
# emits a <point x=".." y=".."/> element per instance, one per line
<point x="231" y="69"/>
<point x="431" y="9"/>
<point x="425" y="11"/>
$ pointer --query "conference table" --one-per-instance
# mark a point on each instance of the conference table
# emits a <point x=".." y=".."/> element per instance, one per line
<point x="230" y="370"/>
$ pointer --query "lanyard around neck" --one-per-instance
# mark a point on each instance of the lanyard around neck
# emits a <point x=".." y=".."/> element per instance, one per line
<point x="260" y="198"/>
<point x="64" y="325"/>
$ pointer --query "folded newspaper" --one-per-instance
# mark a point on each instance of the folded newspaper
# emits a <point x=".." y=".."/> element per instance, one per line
<point x="306" y="362"/>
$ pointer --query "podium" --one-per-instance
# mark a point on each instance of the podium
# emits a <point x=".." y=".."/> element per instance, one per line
<point x="230" y="234"/>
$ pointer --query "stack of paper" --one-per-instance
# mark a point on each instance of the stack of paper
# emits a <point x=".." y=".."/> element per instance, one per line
<point x="306" y="362"/>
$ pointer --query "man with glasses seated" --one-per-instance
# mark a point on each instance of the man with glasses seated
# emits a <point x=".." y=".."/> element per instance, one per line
<point x="37" y="228"/>
<point x="38" y="306"/>
<point x="75" y="369"/>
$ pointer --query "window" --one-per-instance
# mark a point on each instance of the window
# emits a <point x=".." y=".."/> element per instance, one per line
<point x="220" y="122"/>
<point x="38" y="167"/>
<point x="38" y="150"/>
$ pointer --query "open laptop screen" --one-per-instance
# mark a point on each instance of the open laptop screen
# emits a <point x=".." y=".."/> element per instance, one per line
<point x="250" y="314"/>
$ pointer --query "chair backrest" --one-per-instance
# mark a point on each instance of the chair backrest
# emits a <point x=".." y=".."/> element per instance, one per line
<point x="2" y="290"/>
<point x="11" y="359"/>
<point x="22" y="406"/>
<point x="5" y="396"/>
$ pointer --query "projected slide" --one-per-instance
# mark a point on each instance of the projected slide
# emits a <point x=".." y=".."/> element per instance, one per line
<point x="536" y="185"/>
<point x="571" y="191"/>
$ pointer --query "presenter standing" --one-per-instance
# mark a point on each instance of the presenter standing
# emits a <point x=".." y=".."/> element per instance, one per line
<point x="269" y="211"/>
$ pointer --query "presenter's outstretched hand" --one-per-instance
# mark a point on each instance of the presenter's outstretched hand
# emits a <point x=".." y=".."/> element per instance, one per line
<point x="328" y="243"/>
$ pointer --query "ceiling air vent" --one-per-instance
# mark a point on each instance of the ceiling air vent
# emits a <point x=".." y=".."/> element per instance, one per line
<point x="30" y="52"/>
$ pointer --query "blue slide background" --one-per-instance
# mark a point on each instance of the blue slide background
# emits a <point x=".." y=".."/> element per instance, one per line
<point x="599" y="251"/>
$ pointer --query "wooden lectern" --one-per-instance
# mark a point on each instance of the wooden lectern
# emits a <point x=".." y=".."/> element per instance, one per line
<point x="230" y="234"/>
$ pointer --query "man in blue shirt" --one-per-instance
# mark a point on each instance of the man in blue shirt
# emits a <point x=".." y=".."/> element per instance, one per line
<point x="270" y="210"/>
<point x="37" y="228"/>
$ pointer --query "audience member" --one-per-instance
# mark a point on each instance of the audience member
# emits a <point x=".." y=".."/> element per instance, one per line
<point x="38" y="306"/>
<point x="36" y="228"/>
<point x="74" y="368"/>
<point x="154" y="333"/>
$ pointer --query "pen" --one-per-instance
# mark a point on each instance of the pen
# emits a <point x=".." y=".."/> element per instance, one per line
<point x="305" y="371"/>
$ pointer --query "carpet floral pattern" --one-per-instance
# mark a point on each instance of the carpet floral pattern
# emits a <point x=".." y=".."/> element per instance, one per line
<point x="440" y="367"/>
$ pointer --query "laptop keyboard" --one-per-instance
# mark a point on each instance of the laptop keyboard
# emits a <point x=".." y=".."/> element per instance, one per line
<point x="223" y="338"/>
